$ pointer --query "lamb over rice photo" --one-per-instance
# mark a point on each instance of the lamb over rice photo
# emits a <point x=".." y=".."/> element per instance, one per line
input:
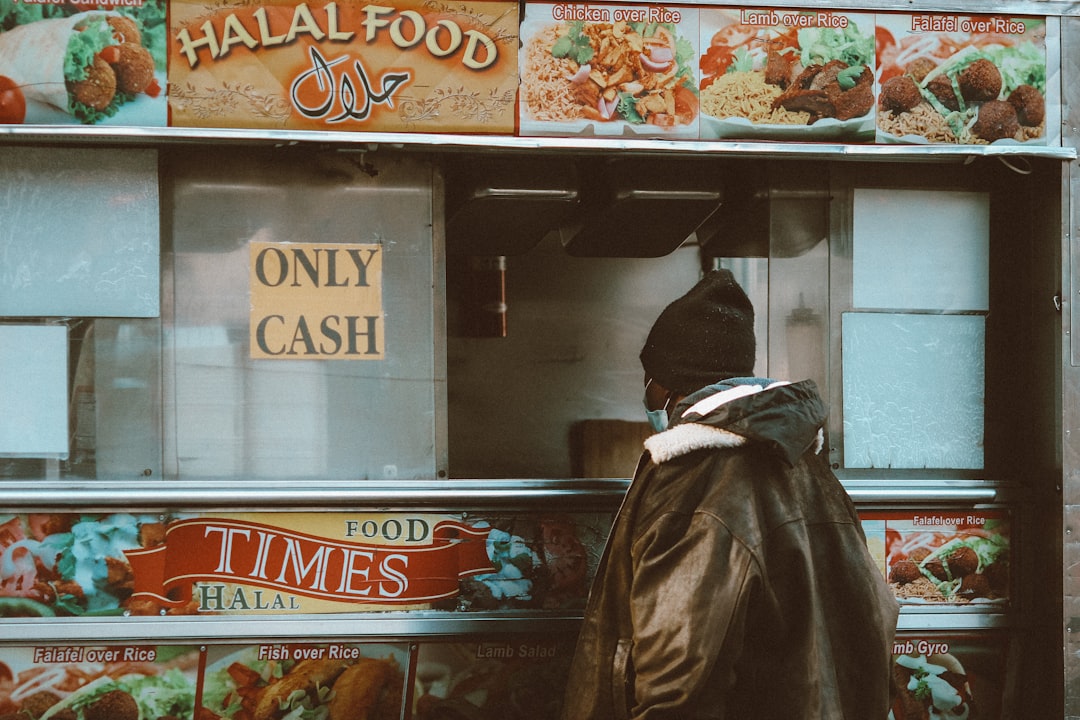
<point x="795" y="81"/>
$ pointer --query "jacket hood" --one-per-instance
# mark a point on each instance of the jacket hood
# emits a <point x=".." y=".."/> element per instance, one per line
<point x="786" y="418"/>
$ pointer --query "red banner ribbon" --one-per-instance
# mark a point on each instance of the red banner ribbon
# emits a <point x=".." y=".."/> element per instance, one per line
<point x="265" y="556"/>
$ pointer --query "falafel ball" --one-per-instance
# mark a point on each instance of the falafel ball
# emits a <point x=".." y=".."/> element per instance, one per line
<point x="903" y="572"/>
<point x="125" y="29"/>
<point x="113" y="705"/>
<point x="98" y="89"/>
<point x="135" y="68"/>
<point x="997" y="120"/>
<point x="920" y="67"/>
<point x="997" y="574"/>
<point x="980" y="81"/>
<point x="942" y="88"/>
<point x="962" y="561"/>
<point x="974" y="586"/>
<point x="919" y="554"/>
<point x="899" y="94"/>
<point x="1030" y="105"/>
<point x="39" y="702"/>
<point x="936" y="568"/>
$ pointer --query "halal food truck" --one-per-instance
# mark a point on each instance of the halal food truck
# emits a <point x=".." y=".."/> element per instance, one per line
<point x="319" y="326"/>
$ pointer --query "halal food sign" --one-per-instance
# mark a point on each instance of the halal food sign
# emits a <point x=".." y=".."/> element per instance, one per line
<point x="316" y="301"/>
<point x="343" y="65"/>
<point x="200" y="555"/>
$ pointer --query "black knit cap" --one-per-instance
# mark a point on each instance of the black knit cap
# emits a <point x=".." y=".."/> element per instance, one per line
<point x="705" y="336"/>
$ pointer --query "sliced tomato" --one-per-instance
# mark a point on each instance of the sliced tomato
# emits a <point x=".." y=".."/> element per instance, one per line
<point x="12" y="102"/>
<point x="686" y="104"/>
<point x="883" y="40"/>
<point x="716" y="60"/>
<point x="110" y="54"/>
<point x="734" y="35"/>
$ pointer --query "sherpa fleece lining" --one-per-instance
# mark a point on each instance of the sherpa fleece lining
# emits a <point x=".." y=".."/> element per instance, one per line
<point x="683" y="439"/>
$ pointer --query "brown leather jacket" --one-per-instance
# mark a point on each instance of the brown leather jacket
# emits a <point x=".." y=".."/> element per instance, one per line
<point x="736" y="582"/>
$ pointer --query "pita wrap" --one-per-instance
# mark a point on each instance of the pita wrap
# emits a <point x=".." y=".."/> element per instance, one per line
<point x="34" y="56"/>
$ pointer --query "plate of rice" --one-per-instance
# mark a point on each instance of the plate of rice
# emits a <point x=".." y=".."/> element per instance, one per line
<point x="739" y="105"/>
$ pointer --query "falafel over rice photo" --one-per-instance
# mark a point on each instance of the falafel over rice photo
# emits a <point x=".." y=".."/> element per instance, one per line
<point x="963" y="88"/>
<point x="62" y="63"/>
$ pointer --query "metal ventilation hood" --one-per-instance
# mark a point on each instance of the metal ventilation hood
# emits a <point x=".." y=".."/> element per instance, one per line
<point x="643" y="207"/>
<point x="636" y="207"/>
<point x="506" y="205"/>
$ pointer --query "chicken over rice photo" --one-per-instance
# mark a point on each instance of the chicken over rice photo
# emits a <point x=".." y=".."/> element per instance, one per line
<point x="635" y="73"/>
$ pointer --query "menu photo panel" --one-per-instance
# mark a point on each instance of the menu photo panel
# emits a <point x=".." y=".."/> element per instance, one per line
<point x="943" y="558"/>
<point x="949" y="675"/>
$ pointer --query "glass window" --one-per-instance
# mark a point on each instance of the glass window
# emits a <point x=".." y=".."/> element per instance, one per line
<point x="913" y="344"/>
<point x="920" y="250"/>
<point x="33" y="391"/>
<point x="913" y="390"/>
<point x="79" y="236"/>
<point x="266" y="258"/>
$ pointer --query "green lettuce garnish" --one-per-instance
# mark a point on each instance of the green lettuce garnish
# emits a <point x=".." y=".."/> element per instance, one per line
<point x="574" y="44"/>
<point x="818" y="46"/>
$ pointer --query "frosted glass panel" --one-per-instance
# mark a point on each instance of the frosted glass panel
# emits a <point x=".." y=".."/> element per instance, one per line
<point x="33" y="391"/>
<point x="80" y="233"/>
<point x="920" y="249"/>
<point x="913" y="390"/>
<point x="230" y="414"/>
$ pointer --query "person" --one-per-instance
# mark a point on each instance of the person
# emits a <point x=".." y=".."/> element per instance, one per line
<point x="736" y="583"/>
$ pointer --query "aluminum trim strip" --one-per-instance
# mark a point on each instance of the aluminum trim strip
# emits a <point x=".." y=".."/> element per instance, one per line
<point x="374" y="627"/>
<point x="464" y="494"/>
<point x="307" y="628"/>
<point x="941" y="621"/>
<point x="487" y="143"/>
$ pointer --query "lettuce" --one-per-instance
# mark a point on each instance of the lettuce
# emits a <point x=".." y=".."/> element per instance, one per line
<point x="822" y="45"/>
<point x="169" y="694"/>
<point x="80" y="554"/>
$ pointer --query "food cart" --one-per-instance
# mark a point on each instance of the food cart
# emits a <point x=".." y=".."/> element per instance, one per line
<point x="319" y="326"/>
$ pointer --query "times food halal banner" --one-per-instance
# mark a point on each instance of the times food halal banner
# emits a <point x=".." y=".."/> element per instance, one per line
<point x="72" y="565"/>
